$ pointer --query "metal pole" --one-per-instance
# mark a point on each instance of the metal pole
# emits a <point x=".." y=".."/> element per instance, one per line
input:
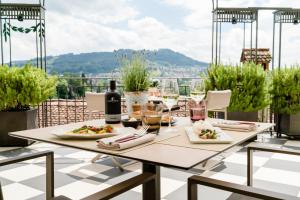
<point x="212" y="39"/>
<point x="10" y="59"/>
<point x="37" y="46"/>
<point x="244" y="39"/>
<point x="2" y="49"/>
<point x="280" y="41"/>
<point x="220" y="40"/>
<point x="251" y="36"/>
<point x="273" y="45"/>
<point x="41" y="41"/>
<point x="256" y="41"/>
<point x="45" y="49"/>
<point x="217" y="34"/>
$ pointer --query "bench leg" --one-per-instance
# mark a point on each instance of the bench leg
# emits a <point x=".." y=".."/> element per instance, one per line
<point x="151" y="189"/>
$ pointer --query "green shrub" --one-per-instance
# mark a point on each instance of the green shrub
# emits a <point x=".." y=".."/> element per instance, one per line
<point x="247" y="83"/>
<point x="285" y="90"/>
<point x="134" y="74"/>
<point x="21" y="88"/>
<point x="62" y="89"/>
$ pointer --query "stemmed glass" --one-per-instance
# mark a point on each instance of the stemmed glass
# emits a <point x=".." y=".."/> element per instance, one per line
<point x="197" y="90"/>
<point x="197" y="109"/>
<point x="170" y="94"/>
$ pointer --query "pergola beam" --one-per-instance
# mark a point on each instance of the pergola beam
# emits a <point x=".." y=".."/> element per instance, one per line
<point x="28" y="11"/>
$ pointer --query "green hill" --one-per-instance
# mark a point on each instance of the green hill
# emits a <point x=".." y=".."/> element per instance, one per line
<point x="105" y="62"/>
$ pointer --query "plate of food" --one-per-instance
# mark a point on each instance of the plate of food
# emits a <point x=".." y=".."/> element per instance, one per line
<point x="86" y="132"/>
<point x="165" y="120"/>
<point x="203" y="132"/>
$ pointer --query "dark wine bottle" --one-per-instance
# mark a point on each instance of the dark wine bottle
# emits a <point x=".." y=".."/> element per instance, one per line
<point x="112" y="105"/>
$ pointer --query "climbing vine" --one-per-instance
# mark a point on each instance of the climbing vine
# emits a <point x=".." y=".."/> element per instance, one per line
<point x="7" y="28"/>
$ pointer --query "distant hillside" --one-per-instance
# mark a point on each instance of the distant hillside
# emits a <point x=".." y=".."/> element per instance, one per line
<point x="105" y="62"/>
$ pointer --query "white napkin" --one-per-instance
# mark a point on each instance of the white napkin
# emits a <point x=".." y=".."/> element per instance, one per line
<point x="236" y="126"/>
<point x="112" y="143"/>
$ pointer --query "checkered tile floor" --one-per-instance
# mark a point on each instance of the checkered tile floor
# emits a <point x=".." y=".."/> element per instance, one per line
<point x="77" y="177"/>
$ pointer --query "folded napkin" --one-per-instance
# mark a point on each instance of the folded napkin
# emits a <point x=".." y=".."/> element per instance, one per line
<point x="124" y="141"/>
<point x="236" y="126"/>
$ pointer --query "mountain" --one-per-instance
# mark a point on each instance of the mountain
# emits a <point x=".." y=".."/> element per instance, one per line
<point x="106" y="62"/>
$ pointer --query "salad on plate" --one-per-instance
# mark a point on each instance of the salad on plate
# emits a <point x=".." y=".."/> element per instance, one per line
<point x="93" y="130"/>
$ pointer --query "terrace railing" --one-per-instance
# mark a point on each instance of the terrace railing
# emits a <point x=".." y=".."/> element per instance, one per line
<point x="69" y="105"/>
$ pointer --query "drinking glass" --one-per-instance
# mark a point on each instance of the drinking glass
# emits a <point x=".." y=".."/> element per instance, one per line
<point x="197" y="113"/>
<point x="170" y="94"/>
<point x="151" y="116"/>
<point x="197" y="90"/>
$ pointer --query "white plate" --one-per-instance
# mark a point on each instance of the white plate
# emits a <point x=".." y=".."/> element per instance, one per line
<point x="222" y="138"/>
<point x="63" y="134"/>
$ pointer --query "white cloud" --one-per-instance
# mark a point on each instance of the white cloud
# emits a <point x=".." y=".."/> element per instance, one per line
<point x="98" y="11"/>
<point x="200" y="16"/>
<point x="104" y="25"/>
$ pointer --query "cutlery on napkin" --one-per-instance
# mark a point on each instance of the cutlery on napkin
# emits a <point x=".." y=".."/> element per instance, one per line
<point x="124" y="141"/>
<point x="235" y="126"/>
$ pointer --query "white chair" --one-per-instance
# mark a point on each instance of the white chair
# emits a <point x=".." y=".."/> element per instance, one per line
<point x="95" y="102"/>
<point x="218" y="101"/>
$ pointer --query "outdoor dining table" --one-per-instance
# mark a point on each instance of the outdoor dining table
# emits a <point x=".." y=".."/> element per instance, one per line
<point x="171" y="150"/>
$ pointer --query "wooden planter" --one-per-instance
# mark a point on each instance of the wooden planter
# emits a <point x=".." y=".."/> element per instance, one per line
<point x="16" y="121"/>
<point x="243" y="116"/>
<point x="290" y="125"/>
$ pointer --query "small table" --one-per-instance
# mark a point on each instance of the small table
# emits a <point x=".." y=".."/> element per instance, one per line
<point x="174" y="152"/>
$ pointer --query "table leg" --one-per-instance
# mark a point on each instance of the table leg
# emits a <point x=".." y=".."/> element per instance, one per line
<point x="49" y="176"/>
<point x="151" y="189"/>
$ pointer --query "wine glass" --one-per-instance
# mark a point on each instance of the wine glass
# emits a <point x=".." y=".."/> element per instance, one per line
<point x="197" y="90"/>
<point x="170" y="94"/>
<point x="197" y="109"/>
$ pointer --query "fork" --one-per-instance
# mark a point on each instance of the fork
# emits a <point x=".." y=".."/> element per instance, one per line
<point x="142" y="131"/>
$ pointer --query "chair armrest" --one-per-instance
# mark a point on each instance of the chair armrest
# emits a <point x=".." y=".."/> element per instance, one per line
<point x="264" y="148"/>
<point x="49" y="168"/>
<point x="232" y="187"/>
<point x="122" y="187"/>
<point x="25" y="157"/>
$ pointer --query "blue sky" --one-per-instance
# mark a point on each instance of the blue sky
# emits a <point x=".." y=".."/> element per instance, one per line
<point x="182" y="25"/>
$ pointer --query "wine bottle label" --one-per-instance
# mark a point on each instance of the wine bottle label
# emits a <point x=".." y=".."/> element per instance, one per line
<point x="113" y="118"/>
<point x="113" y="100"/>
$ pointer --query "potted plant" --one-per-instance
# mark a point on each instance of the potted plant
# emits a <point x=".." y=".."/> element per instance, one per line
<point x="248" y="85"/>
<point x="285" y="95"/>
<point x="135" y="78"/>
<point x="154" y="88"/>
<point x="20" y="90"/>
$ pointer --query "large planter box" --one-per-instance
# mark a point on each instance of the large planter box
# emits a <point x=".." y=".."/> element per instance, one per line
<point x="16" y="121"/>
<point x="243" y="116"/>
<point x="290" y="125"/>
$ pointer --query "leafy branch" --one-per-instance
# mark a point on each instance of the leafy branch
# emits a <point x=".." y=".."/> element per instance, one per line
<point x="7" y="28"/>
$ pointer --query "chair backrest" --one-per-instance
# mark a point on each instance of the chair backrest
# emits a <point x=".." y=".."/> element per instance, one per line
<point x="218" y="99"/>
<point x="95" y="101"/>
